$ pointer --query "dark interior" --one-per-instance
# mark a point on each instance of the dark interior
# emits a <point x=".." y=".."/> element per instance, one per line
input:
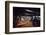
<point x="25" y="11"/>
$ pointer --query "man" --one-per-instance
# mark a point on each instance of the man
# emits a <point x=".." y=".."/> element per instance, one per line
<point x="24" y="21"/>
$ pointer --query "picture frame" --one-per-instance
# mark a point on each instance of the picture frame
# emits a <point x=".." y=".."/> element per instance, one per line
<point x="10" y="9"/>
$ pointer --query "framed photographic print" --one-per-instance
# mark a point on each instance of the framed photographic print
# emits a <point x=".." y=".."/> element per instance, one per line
<point x="24" y="17"/>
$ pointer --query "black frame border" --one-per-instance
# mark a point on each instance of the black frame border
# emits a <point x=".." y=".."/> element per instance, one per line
<point x="7" y="16"/>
